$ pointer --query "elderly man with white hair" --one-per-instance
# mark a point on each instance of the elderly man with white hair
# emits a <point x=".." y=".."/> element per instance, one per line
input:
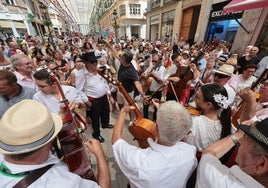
<point x="167" y="162"/>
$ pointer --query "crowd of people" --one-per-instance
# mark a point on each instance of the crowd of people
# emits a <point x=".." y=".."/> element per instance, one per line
<point x="194" y="90"/>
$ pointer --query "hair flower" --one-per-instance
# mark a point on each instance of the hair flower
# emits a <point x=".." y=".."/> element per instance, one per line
<point x="221" y="100"/>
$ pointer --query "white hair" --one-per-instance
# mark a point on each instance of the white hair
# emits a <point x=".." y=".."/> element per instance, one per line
<point x="173" y="122"/>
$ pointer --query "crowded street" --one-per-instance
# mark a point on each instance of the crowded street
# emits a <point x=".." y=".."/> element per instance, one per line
<point x="134" y="93"/>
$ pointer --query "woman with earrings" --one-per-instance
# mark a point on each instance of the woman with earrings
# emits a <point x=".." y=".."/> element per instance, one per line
<point x="215" y="121"/>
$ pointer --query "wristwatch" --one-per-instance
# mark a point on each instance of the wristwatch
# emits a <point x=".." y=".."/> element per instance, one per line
<point x="234" y="139"/>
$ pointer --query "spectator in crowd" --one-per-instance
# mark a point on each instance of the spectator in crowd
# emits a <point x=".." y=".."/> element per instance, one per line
<point x="28" y="152"/>
<point x="11" y="92"/>
<point x="222" y="77"/>
<point x="4" y="62"/>
<point x="24" y="70"/>
<point x="167" y="162"/>
<point x="251" y="57"/>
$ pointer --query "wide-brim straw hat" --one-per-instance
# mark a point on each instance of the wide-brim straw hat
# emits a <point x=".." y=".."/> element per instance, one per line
<point x="27" y="126"/>
<point x="225" y="69"/>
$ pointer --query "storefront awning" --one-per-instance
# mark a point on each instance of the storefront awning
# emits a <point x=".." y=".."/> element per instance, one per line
<point x="240" y="5"/>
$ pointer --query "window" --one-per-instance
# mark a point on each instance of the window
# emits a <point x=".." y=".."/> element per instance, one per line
<point x="122" y="10"/>
<point x="135" y="9"/>
<point x="10" y="2"/>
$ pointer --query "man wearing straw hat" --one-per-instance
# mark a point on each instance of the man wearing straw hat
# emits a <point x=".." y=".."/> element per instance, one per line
<point x="222" y="77"/>
<point x="27" y="130"/>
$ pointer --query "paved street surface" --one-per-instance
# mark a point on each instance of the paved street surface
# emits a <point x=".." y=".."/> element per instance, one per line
<point x="118" y="180"/>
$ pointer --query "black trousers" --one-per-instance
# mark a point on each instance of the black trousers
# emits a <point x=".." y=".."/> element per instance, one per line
<point x="99" y="113"/>
<point x="158" y="96"/>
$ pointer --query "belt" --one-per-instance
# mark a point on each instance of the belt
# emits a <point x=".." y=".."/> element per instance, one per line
<point x="91" y="99"/>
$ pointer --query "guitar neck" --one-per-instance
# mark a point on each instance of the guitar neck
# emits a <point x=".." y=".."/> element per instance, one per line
<point x="129" y="100"/>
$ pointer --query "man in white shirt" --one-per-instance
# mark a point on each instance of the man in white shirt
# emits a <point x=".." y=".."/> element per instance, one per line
<point x="222" y="77"/>
<point x="26" y="151"/>
<point x="167" y="162"/>
<point x="252" y="159"/>
<point x="23" y="70"/>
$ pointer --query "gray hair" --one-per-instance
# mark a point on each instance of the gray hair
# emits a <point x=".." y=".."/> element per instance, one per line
<point x="16" y="59"/>
<point x="173" y="122"/>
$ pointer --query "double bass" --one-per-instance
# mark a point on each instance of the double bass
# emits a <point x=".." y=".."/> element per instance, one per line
<point x="142" y="128"/>
<point x="72" y="145"/>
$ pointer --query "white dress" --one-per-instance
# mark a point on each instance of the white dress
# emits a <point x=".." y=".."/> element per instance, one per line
<point x="204" y="132"/>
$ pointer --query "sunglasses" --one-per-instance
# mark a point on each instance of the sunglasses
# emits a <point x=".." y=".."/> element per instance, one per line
<point x="221" y="76"/>
<point x="154" y="61"/>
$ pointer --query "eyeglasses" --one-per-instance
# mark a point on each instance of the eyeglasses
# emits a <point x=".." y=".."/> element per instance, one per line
<point x="154" y="61"/>
<point x="221" y="76"/>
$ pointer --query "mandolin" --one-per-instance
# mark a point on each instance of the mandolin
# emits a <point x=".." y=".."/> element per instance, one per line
<point x="142" y="128"/>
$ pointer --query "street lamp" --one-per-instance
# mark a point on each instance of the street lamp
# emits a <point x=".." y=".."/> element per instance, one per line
<point x="47" y="22"/>
<point x="116" y="26"/>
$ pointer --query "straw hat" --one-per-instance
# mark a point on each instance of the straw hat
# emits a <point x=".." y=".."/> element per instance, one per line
<point x="257" y="132"/>
<point x="225" y="69"/>
<point x="27" y="126"/>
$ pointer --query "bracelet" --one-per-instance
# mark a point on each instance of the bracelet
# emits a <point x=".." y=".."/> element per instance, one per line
<point x="234" y="139"/>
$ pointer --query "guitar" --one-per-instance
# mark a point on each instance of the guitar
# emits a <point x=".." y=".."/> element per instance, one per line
<point x="142" y="128"/>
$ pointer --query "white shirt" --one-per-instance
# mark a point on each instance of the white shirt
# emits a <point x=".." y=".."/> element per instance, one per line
<point x="101" y="53"/>
<point x="212" y="174"/>
<point x="94" y="85"/>
<point x="159" y="72"/>
<point x="53" y="104"/>
<point x="79" y="79"/>
<point x="24" y="81"/>
<point x="157" y="165"/>
<point x="240" y="83"/>
<point x="57" y="176"/>
<point x="204" y="132"/>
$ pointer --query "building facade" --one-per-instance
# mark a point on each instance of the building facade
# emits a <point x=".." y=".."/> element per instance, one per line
<point x="129" y="21"/>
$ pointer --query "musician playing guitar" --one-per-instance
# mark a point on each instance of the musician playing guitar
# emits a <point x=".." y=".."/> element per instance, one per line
<point x="167" y="162"/>
<point x="127" y="75"/>
<point x="157" y="75"/>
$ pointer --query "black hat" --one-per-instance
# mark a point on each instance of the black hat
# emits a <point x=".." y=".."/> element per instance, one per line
<point x="257" y="132"/>
<point x="89" y="57"/>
